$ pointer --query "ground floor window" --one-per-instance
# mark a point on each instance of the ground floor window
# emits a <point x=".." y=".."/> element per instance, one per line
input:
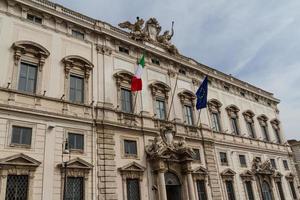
<point x="133" y="189"/>
<point x="74" y="188"/>
<point x="230" y="190"/>
<point x="266" y="191"/>
<point x="201" y="190"/>
<point x="280" y="190"/>
<point x="17" y="187"/>
<point x="293" y="189"/>
<point x="249" y="190"/>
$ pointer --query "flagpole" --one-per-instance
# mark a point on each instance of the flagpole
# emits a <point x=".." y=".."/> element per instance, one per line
<point x="172" y="100"/>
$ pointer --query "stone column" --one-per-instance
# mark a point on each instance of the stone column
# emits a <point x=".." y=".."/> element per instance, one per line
<point x="190" y="186"/>
<point x="162" y="185"/>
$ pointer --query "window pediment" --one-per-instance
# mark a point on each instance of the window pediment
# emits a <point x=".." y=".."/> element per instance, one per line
<point x="74" y="62"/>
<point x="200" y="170"/>
<point x="228" y="173"/>
<point x="31" y="47"/>
<point x="248" y="113"/>
<point x="232" y="110"/>
<point x="19" y="160"/>
<point x="275" y="122"/>
<point x="186" y="95"/>
<point x="247" y="175"/>
<point x="290" y="176"/>
<point x="214" y="105"/>
<point x="159" y="88"/>
<point x="123" y="77"/>
<point x="78" y="163"/>
<point x="262" y="118"/>
<point x="132" y="167"/>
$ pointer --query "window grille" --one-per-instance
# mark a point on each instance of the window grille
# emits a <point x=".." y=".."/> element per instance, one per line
<point x="201" y="190"/>
<point x="133" y="189"/>
<point x="74" y="188"/>
<point x="17" y="187"/>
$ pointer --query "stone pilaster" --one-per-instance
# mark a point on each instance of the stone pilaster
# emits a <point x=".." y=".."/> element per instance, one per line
<point x="107" y="186"/>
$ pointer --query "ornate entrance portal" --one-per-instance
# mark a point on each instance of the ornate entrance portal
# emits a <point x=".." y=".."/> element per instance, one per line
<point x="173" y="186"/>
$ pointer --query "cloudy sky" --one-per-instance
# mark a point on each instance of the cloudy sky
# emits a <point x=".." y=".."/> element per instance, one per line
<point x="256" y="41"/>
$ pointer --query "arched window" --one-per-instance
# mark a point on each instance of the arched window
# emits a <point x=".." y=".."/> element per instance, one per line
<point x="232" y="112"/>
<point x="276" y="128"/>
<point x="29" y="59"/>
<point x="214" y="109"/>
<point x="187" y="99"/>
<point x="266" y="191"/>
<point x="77" y="73"/>
<point x="263" y="121"/>
<point x="248" y="115"/>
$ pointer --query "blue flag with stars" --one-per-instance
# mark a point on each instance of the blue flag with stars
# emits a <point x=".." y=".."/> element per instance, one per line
<point x="202" y="95"/>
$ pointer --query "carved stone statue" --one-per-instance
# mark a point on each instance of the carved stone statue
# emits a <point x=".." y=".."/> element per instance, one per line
<point x="165" y="39"/>
<point x="136" y="29"/>
<point x="152" y="29"/>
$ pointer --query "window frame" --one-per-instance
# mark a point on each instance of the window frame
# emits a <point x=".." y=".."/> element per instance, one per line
<point x="273" y="164"/>
<point x="24" y="124"/>
<point x="233" y="190"/>
<point x="244" y="165"/>
<point x="81" y="178"/>
<point x="77" y="77"/>
<point x="122" y="100"/>
<point x="28" y="64"/>
<point x="199" y="153"/>
<point x="214" y="107"/>
<point x="80" y="35"/>
<point x="123" y="152"/>
<point x="35" y="17"/>
<point x="160" y="101"/>
<point x="136" y="180"/>
<point x="21" y="135"/>
<point x="79" y="150"/>
<point x="223" y="163"/>
<point x="246" y="182"/>
<point x="233" y="114"/>
<point x="286" y="165"/>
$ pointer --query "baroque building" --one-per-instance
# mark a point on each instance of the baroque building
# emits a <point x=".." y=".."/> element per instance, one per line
<point x="71" y="127"/>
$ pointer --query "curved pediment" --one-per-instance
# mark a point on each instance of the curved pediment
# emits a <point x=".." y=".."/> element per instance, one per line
<point x="187" y="94"/>
<point x="132" y="167"/>
<point x="31" y="47"/>
<point x="19" y="160"/>
<point x="249" y="113"/>
<point x="78" y="163"/>
<point x="78" y="60"/>
<point x="160" y="86"/>
<point x="123" y="75"/>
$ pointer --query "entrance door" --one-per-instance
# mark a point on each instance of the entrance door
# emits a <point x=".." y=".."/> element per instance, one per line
<point x="266" y="191"/>
<point x="173" y="186"/>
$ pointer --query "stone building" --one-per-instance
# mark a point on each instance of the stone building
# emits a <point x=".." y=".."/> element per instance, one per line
<point x="295" y="146"/>
<point x="69" y="123"/>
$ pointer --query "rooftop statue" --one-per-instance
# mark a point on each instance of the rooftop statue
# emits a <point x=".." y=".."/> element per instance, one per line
<point x="136" y="30"/>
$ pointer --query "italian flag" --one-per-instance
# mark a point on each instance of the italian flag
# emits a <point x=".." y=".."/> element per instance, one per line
<point x="136" y="81"/>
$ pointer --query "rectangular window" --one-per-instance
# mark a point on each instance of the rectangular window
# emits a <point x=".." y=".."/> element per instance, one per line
<point x="293" y="189"/>
<point x="243" y="160"/>
<point x="126" y="100"/>
<point x="280" y="190"/>
<point x="155" y="61"/>
<point x="188" y="114"/>
<point x="285" y="164"/>
<point x="78" y="34"/>
<point x="215" y="122"/>
<point x="21" y="135"/>
<point x="124" y="50"/>
<point x="133" y="189"/>
<point x="230" y="190"/>
<point x="75" y="188"/>
<point x="277" y="135"/>
<point x="76" y="141"/>
<point x="273" y="163"/>
<point x="223" y="158"/>
<point x="197" y="154"/>
<point x="234" y="125"/>
<point x="76" y="89"/>
<point x="264" y="130"/>
<point x="250" y="127"/>
<point x="201" y="189"/>
<point x="16" y="187"/>
<point x="28" y="77"/>
<point x="249" y="190"/>
<point x="160" y="109"/>
<point x="130" y="147"/>
<point x="34" y="18"/>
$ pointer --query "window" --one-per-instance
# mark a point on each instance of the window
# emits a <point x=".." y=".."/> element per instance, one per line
<point x="264" y="130"/>
<point x="226" y="88"/>
<point x="76" y="141"/>
<point x="182" y="71"/>
<point x="78" y="34"/>
<point x="223" y="158"/>
<point x="133" y="189"/>
<point x="34" y="18"/>
<point x="273" y="163"/>
<point x="249" y="190"/>
<point x="293" y="189"/>
<point x="17" y="187"/>
<point x="130" y="147"/>
<point x="126" y="100"/>
<point x="285" y="165"/>
<point x="27" y="78"/>
<point x="242" y="94"/>
<point x="277" y="135"/>
<point x="280" y="190"/>
<point x="197" y="154"/>
<point x="155" y="61"/>
<point x="201" y="190"/>
<point x="160" y="109"/>
<point x="250" y="127"/>
<point x="75" y="188"/>
<point x="243" y="160"/>
<point x="188" y="114"/>
<point x="21" y="135"/>
<point x="234" y="125"/>
<point x="76" y="89"/>
<point x="124" y="50"/>
<point x="215" y="122"/>
<point x="230" y="190"/>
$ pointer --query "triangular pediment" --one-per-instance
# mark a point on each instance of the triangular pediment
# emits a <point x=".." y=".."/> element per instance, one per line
<point x="200" y="170"/>
<point x="247" y="173"/>
<point x="277" y="174"/>
<point x="133" y="167"/>
<point x="20" y="160"/>
<point x="290" y="176"/>
<point x="78" y="163"/>
<point x="228" y="172"/>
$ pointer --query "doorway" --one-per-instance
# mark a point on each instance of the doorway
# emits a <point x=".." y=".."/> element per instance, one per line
<point x="173" y="186"/>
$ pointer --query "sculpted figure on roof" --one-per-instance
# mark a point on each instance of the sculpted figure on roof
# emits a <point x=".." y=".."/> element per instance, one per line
<point x="136" y="29"/>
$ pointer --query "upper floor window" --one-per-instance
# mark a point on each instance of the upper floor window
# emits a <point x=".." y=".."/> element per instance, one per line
<point x="187" y="99"/>
<point x="124" y="50"/>
<point x="201" y="189"/>
<point x="248" y="115"/>
<point x="27" y="78"/>
<point x="126" y="100"/>
<point x="276" y="129"/>
<point x="76" y="89"/>
<point x="34" y="18"/>
<point x="230" y="189"/>
<point x="273" y="163"/>
<point x="249" y="190"/>
<point x="188" y="111"/>
<point x="293" y="190"/>
<point x="243" y="161"/>
<point x="214" y="108"/>
<point x="76" y="141"/>
<point x="233" y="115"/>
<point x="264" y="127"/>
<point x="223" y="158"/>
<point x="160" y="109"/>
<point x="21" y="135"/>
<point x="77" y="34"/>
<point x="130" y="147"/>
<point x="285" y="164"/>
<point x="155" y="61"/>
<point x="197" y="154"/>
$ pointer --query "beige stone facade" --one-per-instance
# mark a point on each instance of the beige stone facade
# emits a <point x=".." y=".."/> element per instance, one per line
<point x="61" y="44"/>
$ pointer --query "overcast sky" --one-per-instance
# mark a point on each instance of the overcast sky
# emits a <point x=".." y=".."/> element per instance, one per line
<point x="256" y="41"/>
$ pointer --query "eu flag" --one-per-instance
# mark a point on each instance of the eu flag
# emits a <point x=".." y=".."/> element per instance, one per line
<point x="202" y="95"/>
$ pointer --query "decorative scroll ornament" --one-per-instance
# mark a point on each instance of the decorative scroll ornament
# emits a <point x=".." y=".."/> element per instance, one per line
<point x="262" y="168"/>
<point x="150" y="33"/>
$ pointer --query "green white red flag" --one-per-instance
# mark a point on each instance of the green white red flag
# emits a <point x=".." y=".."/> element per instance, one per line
<point x="136" y="81"/>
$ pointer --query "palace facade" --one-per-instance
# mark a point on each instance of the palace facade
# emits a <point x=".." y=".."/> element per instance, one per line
<point x="71" y="127"/>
